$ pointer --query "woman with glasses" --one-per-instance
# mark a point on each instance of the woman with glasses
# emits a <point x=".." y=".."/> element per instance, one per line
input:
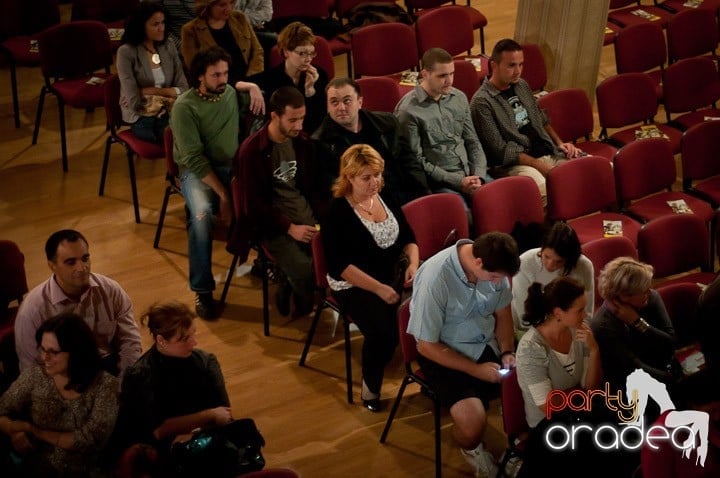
<point x="296" y="43"/>
<point x="173" y="388"/>
<point x="59" y="414"/>
<point x="632" y="327"/>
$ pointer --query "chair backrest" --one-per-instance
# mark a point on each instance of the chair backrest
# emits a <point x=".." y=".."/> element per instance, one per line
<point x="681" y="300"/>
<point x="13" y="281"/>
<point x="570" y="112"/>
<point x="466" y="78"/>
<point x="603" y="250"/>
<point x="690" y="84"/>
<point x="408" y="344"/>
<point x="102" y="10"/>
<point x="692" y="32"/>
<point x="371" y="55"/>
<point x="324" y="58"/>
<point x="27" y="18"/>
<point x="113" y="112"/>
<point x="498" y="205"/>
<point x="568" y="187"/>
<point x="342" y="7"/>
<point x="640" y="47"/>
<point x="700" y="149"/>
<point x="644" y="167"/>
<point x="534" y="69"/>
<point x="295" y="8"/>
<point x="420" y="4"/>
<point x="74" y="49"/>
<point x="625" y="99"/>
<point x="513" y="407"/>
<point x="379" y="93"/>
<point x="319" y="263"/>
<point x="674" y="244"/>
<point x="433" y="217"/>
<point x="447" y="27"/>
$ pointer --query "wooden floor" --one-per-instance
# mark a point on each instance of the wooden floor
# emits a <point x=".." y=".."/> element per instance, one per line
<point x="302" y="412"/>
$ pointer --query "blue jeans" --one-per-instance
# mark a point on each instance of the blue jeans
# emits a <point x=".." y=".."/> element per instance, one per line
<point x="150" y="128"/>
<point x="202" y="203"/>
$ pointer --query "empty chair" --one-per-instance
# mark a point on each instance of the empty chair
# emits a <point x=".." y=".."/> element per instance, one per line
<point x="514" y="422"/>
<point x="629" y="101"/>
<point x="700" y="168"/>
<point x="611" y="30"/>
<point x="621" y="13"/>
<point x="70" y="56"/>
<point x="397" y="43"/>
<point x="582" y="192"/>
<point x="603" y="250"/>
<point x="534" y="69"/>
<point x="644" y="175"/>
<point x="379" y="93"/>
<point x="680" y="6"/>
<point x="112" y="13"/>
<point x="571" y="116"/>
<point x="641" y="48"/>
<point x="477" y="19"/>
<point x="502" y="204"/>
<point x="691" y="33"/>
<point x="133" y="145"/>
<point x="692" y="87"/>
<point x="674" y="245"/>
<point x="436" y="220"/>
<point x="414" y="375"/>
<point x="681" y="300"/>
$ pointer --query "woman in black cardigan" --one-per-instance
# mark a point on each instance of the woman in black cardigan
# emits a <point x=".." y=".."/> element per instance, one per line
<point x="365" y="239"/>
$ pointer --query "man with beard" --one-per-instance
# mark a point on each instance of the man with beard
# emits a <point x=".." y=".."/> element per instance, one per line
<point x="283" y="196"/>
<point x="99" y="300"/>
<point x="204" y="122"/>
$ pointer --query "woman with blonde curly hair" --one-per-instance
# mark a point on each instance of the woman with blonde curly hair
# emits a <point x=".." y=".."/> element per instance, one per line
<point x="366" y="238"/>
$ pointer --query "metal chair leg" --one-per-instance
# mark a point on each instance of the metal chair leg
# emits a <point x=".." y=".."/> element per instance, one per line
<point x="228" y="279"/>
<point x="133" y="184"/>
<point x="348" y="360"/>
<point x="106" y="160"/>
<point x="161" y="220"/>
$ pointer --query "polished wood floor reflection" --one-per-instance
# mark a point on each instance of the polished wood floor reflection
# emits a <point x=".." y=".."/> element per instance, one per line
<point x="302" y="412"/>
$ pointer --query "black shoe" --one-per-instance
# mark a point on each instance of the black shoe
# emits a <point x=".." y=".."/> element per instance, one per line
<point x="373" y="404"/>
<point x="282" y="298"/>
<point x="205" y="306"/>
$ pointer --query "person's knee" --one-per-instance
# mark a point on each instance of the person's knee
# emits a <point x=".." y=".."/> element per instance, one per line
<point x="470" y="417"/>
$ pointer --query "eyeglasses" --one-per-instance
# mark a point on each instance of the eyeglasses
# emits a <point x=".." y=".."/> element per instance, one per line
<point x="305" y="54"/>
<point x="49" y="352"/>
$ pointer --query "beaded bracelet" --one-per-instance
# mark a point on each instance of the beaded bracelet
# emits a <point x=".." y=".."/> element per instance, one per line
<point x="641" y="325"/>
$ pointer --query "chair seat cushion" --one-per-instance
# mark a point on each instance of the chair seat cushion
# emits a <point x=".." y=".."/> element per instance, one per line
<point x="610" y="36"/>
<point x="694" y="278"/>
<point x="709" y="188"/>
<point x="625" y="18"/>
<point x="627" y="135"/>
<point x="590" y="227"/>
<point x="338" y="46"/>
<point x="688" y="120"/>
<point x="144" y="149"/>
<point x="78" y="93"/>
<point x="477" y="19"/>
<point x="19" y="49"/>
<point x="656" y="206"/>
<point x="596" y="148"/>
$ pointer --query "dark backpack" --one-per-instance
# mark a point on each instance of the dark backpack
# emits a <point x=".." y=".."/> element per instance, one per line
<point x="370" y="13"/>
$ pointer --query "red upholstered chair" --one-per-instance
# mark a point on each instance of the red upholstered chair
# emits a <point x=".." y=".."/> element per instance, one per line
<point x="133" y="145"/>
<point x="324" y="58"/>
<point x="477" y="19"/>
<point x="571" y="116"/>
<point x="621" y="13"/>
<point x="320" y="269"/>
<point x="680" y="300"/>
<point x="70" y="55"/>
<point x="641" y="48"/>
<point x="699" y="161"/>
<point x="674" y="245"/>
<point x="611" y="30"/>
<point x="603" y="250"/>
<point x="691" y="33"/>
<point x="644" y="175"/>
<point x="692" y="87"/>
<point x="21" y="24"/>
<point x="514" y="422"/>
<point x="13" y="286"/>
<point x="414" y="375"/>
<point x="112" y="13"/>
<point x="384" y="49"/>
<point x="500" y="204"/>
<point x="629" y="101"/>
<point x="679" y="6"/>
<point x="433" y="218"/>
<point x="379" y="93"/>
<point x="534" y="69"/>
<point x="343" y="7"/>
<point x="582" y="192"/>
<point x="466" y="77"/>
<point x="172" y="175"/>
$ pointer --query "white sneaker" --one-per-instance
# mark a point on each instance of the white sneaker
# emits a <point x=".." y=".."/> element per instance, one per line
<point x="482" y="461"/>
<point x="513" y="467"/>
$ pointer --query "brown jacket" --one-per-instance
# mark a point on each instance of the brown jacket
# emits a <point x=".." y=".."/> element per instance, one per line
<point x="196" y="36"/>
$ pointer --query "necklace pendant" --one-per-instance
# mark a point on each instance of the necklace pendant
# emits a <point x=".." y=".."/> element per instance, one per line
<point x="155" y="58"/>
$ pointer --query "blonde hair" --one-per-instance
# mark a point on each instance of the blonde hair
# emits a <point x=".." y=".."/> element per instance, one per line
<point x="294" y="35"/>
<point x="624" y="276"/>
<point x="353" y="160"/>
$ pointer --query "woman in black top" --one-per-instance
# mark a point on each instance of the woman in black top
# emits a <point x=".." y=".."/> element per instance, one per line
<point x="365" y="239"/>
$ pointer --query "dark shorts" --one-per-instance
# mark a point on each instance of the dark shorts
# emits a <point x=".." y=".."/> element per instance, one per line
<point x="452" y="386"/>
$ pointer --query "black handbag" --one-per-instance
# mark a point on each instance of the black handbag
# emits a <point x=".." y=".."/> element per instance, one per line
<point x="220" y="452"/>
